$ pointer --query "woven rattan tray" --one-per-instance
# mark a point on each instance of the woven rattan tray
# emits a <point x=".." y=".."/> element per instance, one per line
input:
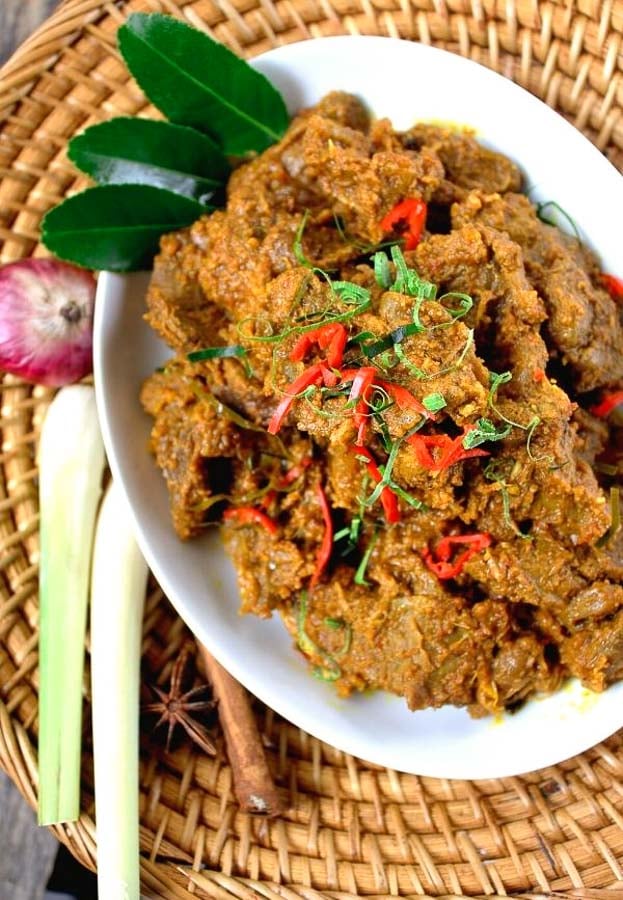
<point x="352" y="829"/>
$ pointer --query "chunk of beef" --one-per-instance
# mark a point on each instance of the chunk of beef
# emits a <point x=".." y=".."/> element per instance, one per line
<point x="594" y="654"/>
<point x="563" y="491"/>
<point x="187" y="433"/>
<point x="177" y="308"/>
<point x="357" y="184"/>
<point x="582" y="319"/>
<point x="467" y="163"/>
<point x="428" y="646"/>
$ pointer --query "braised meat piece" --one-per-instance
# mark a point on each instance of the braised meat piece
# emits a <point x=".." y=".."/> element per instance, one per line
<point x="583" y="327"/>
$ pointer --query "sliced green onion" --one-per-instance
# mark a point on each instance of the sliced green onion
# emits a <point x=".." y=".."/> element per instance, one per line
<point x="118" y="583"/>
<point x="71" y="465"/>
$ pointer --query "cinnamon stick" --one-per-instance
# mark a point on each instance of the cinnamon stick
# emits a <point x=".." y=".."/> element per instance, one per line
<point x="253" y="784"/>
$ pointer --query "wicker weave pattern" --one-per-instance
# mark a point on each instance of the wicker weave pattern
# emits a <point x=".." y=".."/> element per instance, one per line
<point x="352" y="829"/>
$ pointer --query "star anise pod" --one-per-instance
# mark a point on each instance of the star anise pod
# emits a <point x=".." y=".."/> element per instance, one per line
<point x="178" y="707"/>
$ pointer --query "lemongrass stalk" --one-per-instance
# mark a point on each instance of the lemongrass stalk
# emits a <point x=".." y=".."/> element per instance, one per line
<point x="71" y="464"/>
<point x="118" y="583"/>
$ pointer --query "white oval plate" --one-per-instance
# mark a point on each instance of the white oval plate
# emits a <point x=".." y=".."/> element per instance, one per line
<point x="406" y="82"/>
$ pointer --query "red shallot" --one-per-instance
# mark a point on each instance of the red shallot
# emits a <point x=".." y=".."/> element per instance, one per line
<point x="46" y="319"/>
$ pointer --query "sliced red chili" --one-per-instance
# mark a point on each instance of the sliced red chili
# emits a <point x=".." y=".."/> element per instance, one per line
<point x="404" y="398"/>
<point x="389" y="501"/>
<point x="302" y="347"/>
<point x="438" y="559"/>
<point x="412" y="212"/>
<point x="295" y="471"/>
<point x="452" y="450"/>
<point x="329" y="377"/>
<point x="421" y="444"/>
<point x="313" y="375"/>
<point x="249" y="515"/>
<point x="456" y="452"/>
<point x="607" y="404"/>
<point x="613" y="285"/>
<point x="331" y="337"/>
<point x="324" y="553"/>
<point x="363" y="379"/>
<point x="267" y="499"/>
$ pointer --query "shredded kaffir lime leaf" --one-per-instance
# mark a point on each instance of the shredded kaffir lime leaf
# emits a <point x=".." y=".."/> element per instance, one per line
<point x="551" y="219"/>
<point x="216" y="353"/>
<point x="495" y="380"/>
<point x="382" y="271"/>
<point x="360" y="574"/>
<point x="235" y="351"/>
<point x="494" y="471"/>
<point x="434" y="402"/>
<point x="484" y="431"/>
<point x="329" y="671"/>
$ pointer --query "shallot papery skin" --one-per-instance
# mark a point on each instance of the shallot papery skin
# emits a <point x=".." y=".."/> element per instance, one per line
<point x="46" y="321"/>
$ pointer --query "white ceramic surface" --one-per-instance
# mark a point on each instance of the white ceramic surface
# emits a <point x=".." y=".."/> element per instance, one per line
<point x="407" y="82"/>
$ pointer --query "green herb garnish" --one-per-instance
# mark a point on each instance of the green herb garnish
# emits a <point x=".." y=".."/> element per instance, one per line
<point x="434" y="402"/>
<point x="495" y="381"/>
<point x="484" y="431"/>
<point x="382" y="271"/>
<point x="552" y="220"/>
<point x="494" y="471"/>
<point x="360" y="574"/>
<point x="330" y="671"/>
<point x="216" y="353"/>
